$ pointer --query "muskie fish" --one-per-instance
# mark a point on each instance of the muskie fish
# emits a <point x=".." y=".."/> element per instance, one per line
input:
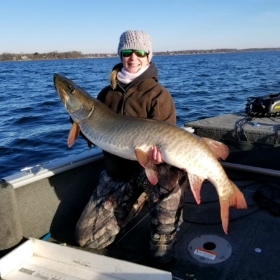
<point x="132" y="138"/>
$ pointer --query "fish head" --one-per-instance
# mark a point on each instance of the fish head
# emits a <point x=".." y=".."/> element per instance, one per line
<point x="76" y="100"/>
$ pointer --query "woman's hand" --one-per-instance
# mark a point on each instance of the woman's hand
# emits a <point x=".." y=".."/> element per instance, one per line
<point x="155" y="155"/>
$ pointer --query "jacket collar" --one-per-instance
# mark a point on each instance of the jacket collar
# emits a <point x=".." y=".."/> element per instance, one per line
<point x="151" y="72"/>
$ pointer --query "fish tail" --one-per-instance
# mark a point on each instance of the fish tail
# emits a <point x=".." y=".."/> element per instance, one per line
<point x="236" y="199"/>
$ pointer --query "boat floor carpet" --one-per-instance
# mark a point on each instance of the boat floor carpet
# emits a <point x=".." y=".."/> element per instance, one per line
<point x="250" y="250"/>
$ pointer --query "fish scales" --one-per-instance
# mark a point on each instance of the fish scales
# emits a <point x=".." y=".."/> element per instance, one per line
<point x="173" y="140"/>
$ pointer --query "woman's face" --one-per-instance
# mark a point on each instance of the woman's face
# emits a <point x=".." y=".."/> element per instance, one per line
<point x="133" y="63"/>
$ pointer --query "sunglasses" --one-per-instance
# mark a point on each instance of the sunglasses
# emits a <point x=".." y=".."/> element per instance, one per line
<point x="128" y="53"/>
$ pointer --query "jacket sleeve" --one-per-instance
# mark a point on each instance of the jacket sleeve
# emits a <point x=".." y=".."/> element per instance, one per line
<point x="163" y="107"/>
<point x="102" y="94"/>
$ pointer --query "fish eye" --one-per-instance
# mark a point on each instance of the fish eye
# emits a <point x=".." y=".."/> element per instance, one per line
<point x="71" y="90"/>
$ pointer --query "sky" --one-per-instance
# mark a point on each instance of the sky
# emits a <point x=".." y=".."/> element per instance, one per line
<point x="94" y="26"/>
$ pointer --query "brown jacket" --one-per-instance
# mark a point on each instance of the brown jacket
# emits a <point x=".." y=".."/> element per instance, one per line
<point x="144" y="97"/>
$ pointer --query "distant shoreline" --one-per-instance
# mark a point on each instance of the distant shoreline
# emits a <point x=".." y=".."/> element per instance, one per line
<point x="78" y="55"/>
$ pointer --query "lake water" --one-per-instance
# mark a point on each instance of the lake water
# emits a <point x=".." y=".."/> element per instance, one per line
<point x="34" y="124"/>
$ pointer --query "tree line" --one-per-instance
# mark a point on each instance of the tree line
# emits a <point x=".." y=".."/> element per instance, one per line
<point x="76" y="54"/>
<point x="48" y="56"/>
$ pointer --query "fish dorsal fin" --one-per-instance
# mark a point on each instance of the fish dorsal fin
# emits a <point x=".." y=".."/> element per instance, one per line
<point x="219" y="149"/>
<point x="150" y="168"/>
<point x="73" y="134"/>
<point x="195" y="184"/>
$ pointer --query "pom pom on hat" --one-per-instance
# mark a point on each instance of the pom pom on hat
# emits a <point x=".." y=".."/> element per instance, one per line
<point x="136" y="40"/>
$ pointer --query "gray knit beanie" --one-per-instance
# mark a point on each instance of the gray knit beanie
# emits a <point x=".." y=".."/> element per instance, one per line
<point x="136" y="40"/>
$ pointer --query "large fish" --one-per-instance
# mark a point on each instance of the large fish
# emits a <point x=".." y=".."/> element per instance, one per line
<point x="133" y="138"/>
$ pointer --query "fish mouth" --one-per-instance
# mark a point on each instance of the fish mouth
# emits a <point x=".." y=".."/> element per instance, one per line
<point x="59" y="87"/>
<point x="64" y="88"/>
<point x="55" y="81"/>
<point x="66" y="91"/>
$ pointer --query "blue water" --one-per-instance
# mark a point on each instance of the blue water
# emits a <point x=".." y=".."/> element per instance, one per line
<point x="34" y="124"/>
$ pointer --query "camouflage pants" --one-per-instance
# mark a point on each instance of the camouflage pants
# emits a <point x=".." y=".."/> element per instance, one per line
<point x="114" y="204"/>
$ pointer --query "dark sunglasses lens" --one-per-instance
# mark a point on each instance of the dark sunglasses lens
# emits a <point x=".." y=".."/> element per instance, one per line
<point x="127" y="53"/>
<point x="140" y="53"/>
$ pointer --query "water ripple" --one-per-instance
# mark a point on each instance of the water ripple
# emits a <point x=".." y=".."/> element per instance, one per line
<point x="34" y="125"/>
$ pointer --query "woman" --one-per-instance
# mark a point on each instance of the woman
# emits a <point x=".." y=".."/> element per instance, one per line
<point x="123" y="186"/>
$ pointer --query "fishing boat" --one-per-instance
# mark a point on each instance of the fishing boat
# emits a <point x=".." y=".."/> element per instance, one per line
<point x="40" y="206"/>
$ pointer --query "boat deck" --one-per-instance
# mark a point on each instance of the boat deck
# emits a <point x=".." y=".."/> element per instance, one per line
<point x="40" y="203"/>
<point x="249" y="251"/>
<point x="251" y="141"/>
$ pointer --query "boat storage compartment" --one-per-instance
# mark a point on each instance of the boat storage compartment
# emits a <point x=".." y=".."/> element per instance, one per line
<point x="37" y="259"/>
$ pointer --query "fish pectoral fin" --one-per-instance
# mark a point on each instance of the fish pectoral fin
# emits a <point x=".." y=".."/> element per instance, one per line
<point x="73" y="134"/>
<point x="220" y="150"/>
<point x="150" y="168"/>
<point x="195" y="184"/>
<point x="236" y="199"/>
